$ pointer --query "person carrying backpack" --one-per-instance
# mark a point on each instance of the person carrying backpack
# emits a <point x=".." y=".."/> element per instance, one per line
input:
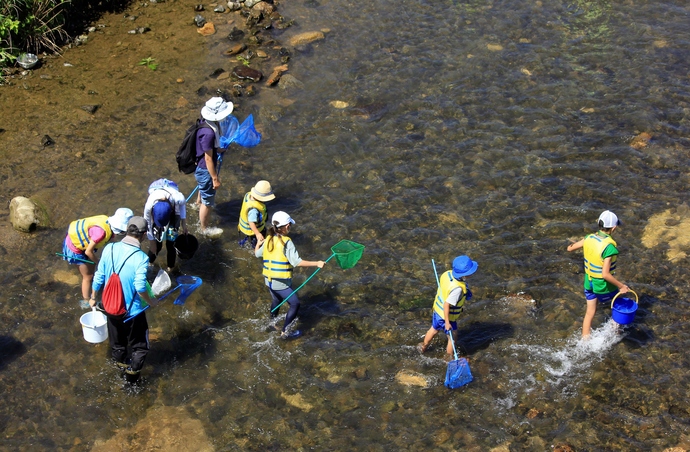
<point x="207" y="151"/>
<point x="127" y="325"/>
<point x="165" y="212"/>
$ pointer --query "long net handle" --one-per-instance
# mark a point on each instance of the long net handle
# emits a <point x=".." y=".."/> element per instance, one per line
<point x="76" y="259"/>
<point x="450" y="335"/>
<point x="302" y="285"/>
<point x="629" y="290"/>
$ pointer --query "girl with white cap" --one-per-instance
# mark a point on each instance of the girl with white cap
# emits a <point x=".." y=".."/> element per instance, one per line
<point x="280" y="257"/>
<point x="84" y="237"/>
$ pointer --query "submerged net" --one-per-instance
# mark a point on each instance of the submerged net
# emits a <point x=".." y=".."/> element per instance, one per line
<point x="458" y="373"/>
<point x="347" y="253"/>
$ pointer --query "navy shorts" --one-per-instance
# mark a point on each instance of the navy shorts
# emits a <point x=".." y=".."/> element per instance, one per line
<point x="205" y="183"/>
<point x="602" y="297"/>
<point x="439" y="324"/>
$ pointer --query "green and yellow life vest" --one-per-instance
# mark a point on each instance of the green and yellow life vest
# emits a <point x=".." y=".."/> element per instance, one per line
<point x="79" y="231"/>
<point x="276" y="264"/>
<point x="248" y="204"/>
<point x="594" y="246"/>
<point x="447" y="284"/>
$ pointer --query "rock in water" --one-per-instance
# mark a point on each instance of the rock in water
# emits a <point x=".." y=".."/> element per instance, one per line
<point x="244" y="72"/>
<point x="25" y="215"/>
<point x="306" y="38"/>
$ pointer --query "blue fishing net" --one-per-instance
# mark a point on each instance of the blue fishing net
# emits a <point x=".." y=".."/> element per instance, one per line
<point x="458" y="373"/>
<point x="244" y="135"/>
<point x="248" y="136"/>
<point x="228" y="130"/>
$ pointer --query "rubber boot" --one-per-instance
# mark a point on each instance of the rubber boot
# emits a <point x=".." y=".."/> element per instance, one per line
<point x="132" y="376"/>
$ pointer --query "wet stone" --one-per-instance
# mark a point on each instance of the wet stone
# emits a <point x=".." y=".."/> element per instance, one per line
<point x="234" y="50"/>
<point x="47" y="141"/>
<point x="199" y="20"/>
<point x="216" y="73"/>
<point x="247" y="73"/>
<point x="90" y="108"/>
<point x="235" y="34"/>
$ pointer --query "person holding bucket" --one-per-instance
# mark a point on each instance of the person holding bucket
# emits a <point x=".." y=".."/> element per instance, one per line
<point x="84" y="237"/>
<point x="128" y="331"/>
<point x="253" y="214"/>
<point x="450" y="298"/>
<point x="280" y="258"/>
<point x="600" y="253"/>
<point x="165" y="212"/>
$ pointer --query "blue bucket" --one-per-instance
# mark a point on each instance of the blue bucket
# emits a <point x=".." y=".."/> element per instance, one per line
<point x="623" y="309"/>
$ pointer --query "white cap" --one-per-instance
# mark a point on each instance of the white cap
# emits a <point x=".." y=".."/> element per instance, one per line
<point x="281" y="219"/>
<point x="608" y="219"/>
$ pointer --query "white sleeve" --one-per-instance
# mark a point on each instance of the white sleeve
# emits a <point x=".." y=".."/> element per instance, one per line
<point x="454" y="296"/>
<point x="147" y="210"/>
<point x="180" y="205"/>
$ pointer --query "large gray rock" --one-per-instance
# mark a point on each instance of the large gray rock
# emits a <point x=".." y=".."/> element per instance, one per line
<point x="25" y="215"/>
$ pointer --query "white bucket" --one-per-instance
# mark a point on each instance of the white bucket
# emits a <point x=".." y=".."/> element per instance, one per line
<point x="94" y="324"/>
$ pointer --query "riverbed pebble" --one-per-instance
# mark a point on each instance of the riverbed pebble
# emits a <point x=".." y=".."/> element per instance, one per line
<point x="306" y="38"/>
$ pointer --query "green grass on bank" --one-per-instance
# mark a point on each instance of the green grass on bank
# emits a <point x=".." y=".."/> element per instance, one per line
<point x="40" y="25"/>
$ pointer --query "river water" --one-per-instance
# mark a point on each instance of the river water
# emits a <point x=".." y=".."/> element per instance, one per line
<point x="495" y="129"/>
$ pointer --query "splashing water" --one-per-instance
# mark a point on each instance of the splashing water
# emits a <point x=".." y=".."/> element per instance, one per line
<point x="558" y="368"/>
<point x="211" y="232"/>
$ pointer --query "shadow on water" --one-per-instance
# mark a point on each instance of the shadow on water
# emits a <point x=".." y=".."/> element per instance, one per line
<point x="479" y="335"/>
<point x="10" y="350"/>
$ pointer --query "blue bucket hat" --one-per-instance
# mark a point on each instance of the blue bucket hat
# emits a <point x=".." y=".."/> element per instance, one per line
<point x="463" y="266"/>
<point x="162" y="213"/>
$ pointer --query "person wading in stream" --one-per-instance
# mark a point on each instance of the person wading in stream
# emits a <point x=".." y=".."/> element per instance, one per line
<point x="601" y="253"/>
<point x="280" y="257"/>
<point x="84" y="237"/>
<point x="128" y="332"/>
<point x="165" y="212"/>
<point x="253" y="213"/>
<point x="450" y="298"/>
<point x="207" y="150"/>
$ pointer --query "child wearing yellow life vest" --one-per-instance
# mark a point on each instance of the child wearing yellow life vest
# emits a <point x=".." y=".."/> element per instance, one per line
<point x="84" y="237"/>
<point x="280" y="257"/>
<point x="601" y="253"/>
<point x="449" y="301"/>
<point x="253" y="214"/>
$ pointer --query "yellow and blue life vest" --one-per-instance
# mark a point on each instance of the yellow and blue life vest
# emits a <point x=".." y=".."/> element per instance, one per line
<point x="276" y="264"/>
<point x="79" y="230"/>
<point x="447" y="284"/>
<point x="248" y="204"/>
<point x="594" y="246"/>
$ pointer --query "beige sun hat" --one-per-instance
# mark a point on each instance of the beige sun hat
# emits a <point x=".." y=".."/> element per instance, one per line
<point x="262" y="191"/>
<point x="216" y="109"/>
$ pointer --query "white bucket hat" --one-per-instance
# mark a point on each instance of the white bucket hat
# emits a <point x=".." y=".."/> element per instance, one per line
<point x="118" y="222"/>
<point x="216" y="109"/>
<point x="262" y="191"/>
<point x="281" y="219"/>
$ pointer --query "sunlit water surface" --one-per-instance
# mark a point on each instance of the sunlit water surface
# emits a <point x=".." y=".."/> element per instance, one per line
<point x="495" y="129"/>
